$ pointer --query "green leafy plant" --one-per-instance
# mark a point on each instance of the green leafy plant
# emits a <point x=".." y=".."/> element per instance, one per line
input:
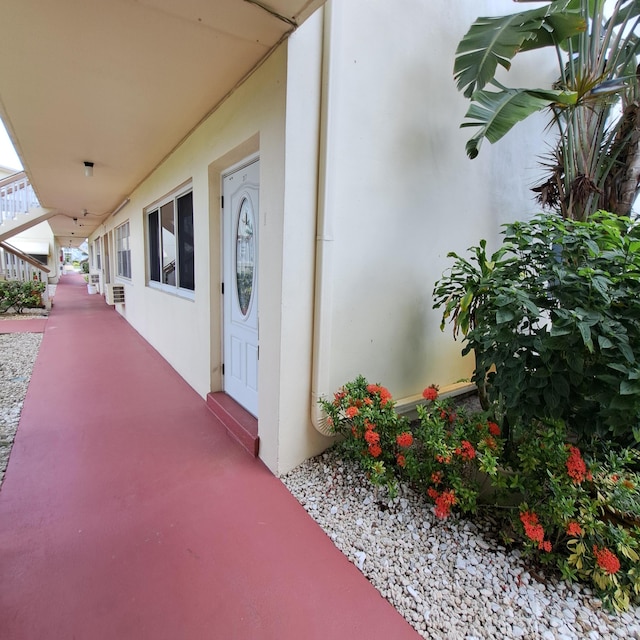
<point x="593" y="103"/>
<point x="553" y="318"/>
<point x="19" y="295"/>
<point x="374" y="434"/>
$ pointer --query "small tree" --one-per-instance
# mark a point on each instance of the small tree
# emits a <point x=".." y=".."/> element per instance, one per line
<point x="593" y="103"/>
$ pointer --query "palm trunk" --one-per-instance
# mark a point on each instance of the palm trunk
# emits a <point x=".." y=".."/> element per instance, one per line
<point x="622" y="183"/>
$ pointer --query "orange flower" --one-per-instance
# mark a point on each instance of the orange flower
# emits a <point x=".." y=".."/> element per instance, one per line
<point x="576" y="468"/>
<point x="494" y="429"/>
<point x="352" y="412"/>
<point x="430" y="393"/>
<point x="372" y="437"/>
<point x="404" y="440"/>
<point x="532" y="528"/>
<point x="385" y="396"/>
<point x="375" y="450"/>
<point x="401" y="460"/>
<point x="433" y="493"/>
<point x="546" y="546"/>
<point x="574" y="529"/>
<point x="444" y="502"/>
<point x="606" y="559"/>
<point x="436" y="477"/>
<point x="466" y="450"/>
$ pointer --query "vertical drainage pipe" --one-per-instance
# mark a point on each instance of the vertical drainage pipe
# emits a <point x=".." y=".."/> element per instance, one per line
<point x="323" y="292"/>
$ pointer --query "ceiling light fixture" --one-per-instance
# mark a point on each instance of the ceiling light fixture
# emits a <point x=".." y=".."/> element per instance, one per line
<point x="88" y="169"/>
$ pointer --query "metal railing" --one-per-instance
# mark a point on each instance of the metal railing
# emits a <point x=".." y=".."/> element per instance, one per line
<point x="16" y="196"/>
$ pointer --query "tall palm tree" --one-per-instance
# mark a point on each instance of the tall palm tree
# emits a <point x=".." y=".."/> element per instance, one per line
<point x="594" y="104"/>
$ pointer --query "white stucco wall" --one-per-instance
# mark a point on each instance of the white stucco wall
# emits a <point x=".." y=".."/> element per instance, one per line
<point x="401" y="190"/>
<point x="357" y="125"/>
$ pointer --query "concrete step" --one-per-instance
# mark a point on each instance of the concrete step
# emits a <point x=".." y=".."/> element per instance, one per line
<point x="239" y="423"/>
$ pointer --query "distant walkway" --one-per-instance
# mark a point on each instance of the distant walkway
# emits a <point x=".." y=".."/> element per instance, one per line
<point x="127" y="513"/>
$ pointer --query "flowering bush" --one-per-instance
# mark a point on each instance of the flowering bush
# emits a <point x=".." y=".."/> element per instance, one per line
<point x="451" y="448"/>
<point x="579" y="514"/>
<point x="375" y="435"/>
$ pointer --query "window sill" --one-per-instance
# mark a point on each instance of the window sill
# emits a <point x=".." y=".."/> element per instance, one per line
<point x="186" y="294"/>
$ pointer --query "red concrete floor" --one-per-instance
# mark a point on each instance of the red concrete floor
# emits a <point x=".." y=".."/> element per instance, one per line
<point x="22" y="325"/>
<point x="128" y="513"/>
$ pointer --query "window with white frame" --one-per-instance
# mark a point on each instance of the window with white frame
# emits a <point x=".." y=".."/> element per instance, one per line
<point x="170" y="242"/>
<point x="96" y="244"/>
<point x="123" y="251"/>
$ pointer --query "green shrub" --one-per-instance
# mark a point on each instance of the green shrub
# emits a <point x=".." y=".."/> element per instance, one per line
<point x="553" y="318"/>
<point x="18" y="295"/>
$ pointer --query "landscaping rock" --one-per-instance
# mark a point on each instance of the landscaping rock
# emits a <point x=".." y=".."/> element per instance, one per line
<point x="18" y="352"/>
<point x="446" y="578"/>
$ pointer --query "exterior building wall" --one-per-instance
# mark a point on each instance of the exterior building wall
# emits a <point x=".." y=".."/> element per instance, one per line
<point x="401" y="192"/>
<point x="364" y="188"/>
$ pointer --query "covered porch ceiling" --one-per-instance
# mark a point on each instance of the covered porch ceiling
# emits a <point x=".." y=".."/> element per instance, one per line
<point x="120" y="84"/>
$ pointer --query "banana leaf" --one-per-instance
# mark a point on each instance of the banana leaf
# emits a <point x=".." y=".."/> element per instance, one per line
<point x="496" y="112"/>
<point x="495" y="41"/>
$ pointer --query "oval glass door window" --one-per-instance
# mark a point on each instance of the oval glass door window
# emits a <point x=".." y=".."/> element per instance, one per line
<point x="245" y="256"/>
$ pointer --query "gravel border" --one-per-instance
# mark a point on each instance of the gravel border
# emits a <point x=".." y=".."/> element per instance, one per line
<point x="449" y="579"/>
<point x="18" y="353"/>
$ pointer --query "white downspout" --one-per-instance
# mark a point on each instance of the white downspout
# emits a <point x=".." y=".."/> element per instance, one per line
<point x="323" y="301"/>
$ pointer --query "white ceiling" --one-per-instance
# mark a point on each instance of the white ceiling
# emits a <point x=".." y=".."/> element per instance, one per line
<point x="120" y="83"/>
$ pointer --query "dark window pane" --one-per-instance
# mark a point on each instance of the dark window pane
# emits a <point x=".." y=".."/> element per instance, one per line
<point x="154" y="246"/>
<point x="185" y="242"/>
<point x="168" y="244"/>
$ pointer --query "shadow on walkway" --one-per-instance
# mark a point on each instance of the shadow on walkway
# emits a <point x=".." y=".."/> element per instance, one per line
<point x="128" y="513"/>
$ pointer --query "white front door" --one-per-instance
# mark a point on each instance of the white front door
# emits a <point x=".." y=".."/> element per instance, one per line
<point x="240" y="191"/>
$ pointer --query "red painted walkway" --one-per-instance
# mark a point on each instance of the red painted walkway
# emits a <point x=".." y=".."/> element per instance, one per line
<point x="128" y="513"/>
<point x="23" y="325"/>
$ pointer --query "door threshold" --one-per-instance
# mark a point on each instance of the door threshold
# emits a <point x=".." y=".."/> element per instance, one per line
<point x="239" y="423"/>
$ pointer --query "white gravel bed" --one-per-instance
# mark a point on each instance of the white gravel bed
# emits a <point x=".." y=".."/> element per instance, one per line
<point x="446" y="578"/>
<point x="18" y="352"/>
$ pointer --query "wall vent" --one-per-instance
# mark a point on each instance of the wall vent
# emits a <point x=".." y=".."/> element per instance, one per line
<point x="94" y="278"/>
<point x="115" y="294"/>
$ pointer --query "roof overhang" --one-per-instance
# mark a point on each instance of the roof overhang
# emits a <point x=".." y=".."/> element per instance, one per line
<point x="120" y="84"/>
